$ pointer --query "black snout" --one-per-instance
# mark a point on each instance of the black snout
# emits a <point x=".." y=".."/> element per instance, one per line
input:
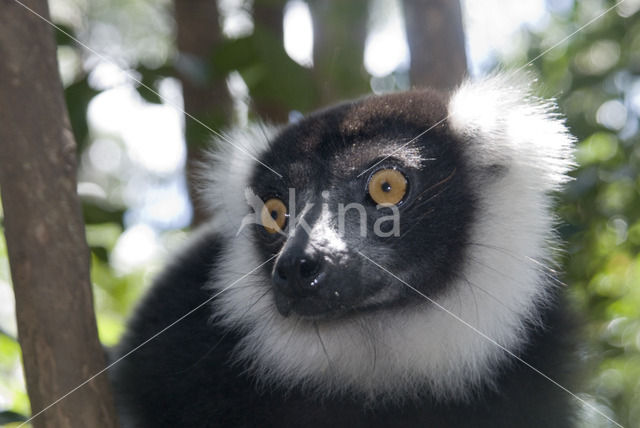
<point x="297" y="274"/>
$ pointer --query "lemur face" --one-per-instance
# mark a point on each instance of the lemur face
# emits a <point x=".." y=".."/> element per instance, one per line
<point x="380" y="230"/>
<point x="356" y="181"/>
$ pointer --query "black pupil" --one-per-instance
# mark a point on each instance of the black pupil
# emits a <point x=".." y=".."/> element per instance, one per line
<point x="386" y="187"/>
<point x="274" y="214"/>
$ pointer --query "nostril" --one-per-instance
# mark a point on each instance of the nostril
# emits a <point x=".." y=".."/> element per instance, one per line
<point x="297" y="276"/>
<point x="308" y="268"/>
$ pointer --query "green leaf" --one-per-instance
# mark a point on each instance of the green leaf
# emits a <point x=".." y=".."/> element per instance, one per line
<point x="8" y="416"/>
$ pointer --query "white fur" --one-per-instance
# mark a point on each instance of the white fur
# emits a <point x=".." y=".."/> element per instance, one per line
<point x="394" y="354"/>
<point x="325" y="234"/>
<point x="225" y="174"/>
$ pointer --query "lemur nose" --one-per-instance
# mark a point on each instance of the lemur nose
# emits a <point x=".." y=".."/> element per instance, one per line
<point x="297" y="275"/>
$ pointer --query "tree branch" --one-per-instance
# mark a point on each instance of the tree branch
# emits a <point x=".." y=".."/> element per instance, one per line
<point x="436" y="41"/>
<point x="205" y="97"/>
<point x="339" y="35"/>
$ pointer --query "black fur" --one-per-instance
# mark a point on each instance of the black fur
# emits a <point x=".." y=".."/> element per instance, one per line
<point x="329" y="149"/>
<point x="186" y="377"/>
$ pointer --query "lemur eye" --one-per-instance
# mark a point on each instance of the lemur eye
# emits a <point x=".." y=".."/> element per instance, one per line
<point x="387" y="186"/>
<point x="274" y="215"/>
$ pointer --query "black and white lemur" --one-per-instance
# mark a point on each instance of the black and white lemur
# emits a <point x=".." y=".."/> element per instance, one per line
<point x="400" y="252"/>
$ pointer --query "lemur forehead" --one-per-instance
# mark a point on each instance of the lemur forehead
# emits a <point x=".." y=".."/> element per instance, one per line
<point x="298" y="171"/>
<point x="357" y="158"/>
<point x="350" y="137"/>
<point x="415" y="108"/>
<point x="347" y="162"/>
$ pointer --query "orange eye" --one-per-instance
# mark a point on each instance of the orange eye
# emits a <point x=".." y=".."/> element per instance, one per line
<point x="274" y="215"/>
<point x="387" y="186"/>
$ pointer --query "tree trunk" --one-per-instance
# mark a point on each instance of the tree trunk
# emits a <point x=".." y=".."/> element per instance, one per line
<point x="436" y="41"/>
<point x="339" y="36"/>
<point x="48" y="254"/>
<point x="269" y="15"/>
<point x="205" y="97"/>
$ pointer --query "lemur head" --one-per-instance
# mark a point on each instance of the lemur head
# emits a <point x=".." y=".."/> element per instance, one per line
<point x="387" y="222"/>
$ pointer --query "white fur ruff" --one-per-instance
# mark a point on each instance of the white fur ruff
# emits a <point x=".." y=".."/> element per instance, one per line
<point x="396" y="354"/>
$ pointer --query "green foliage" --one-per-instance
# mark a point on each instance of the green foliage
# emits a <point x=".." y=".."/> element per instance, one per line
<point x="149" y="78"/>
<point x="601" y="208"/>
<point x="8" y="417"/>
<point x="12" y="386"/>
<point x="266" y="69"/>
<point x="96" y="213"/>
<point x="115" y="293"/>
<point x="78" y="95"/>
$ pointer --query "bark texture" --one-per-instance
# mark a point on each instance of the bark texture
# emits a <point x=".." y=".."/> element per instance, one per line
<point x="436" y="41"/>
<point x="205" y="97"/>
<point x="48" y="254"/>
<point x="269" y="15"/>
<point x="339" y="36"/>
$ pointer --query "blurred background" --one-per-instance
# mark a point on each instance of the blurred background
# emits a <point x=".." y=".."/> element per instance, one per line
<point x="279" y="59"/>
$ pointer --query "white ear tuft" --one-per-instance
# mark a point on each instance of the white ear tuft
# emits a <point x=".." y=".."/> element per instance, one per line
<point x="505" y="124"/>
<point x="225" y="172"/>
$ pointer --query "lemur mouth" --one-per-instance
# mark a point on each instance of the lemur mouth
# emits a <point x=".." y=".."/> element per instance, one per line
<point x="311" y="308"/>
